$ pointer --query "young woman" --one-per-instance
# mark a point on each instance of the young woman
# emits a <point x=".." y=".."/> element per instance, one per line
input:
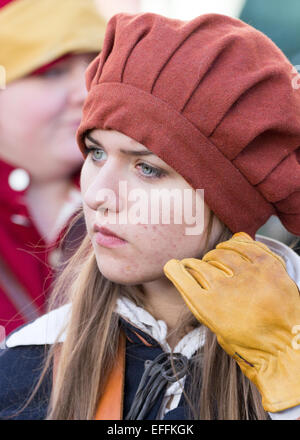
<point x="206" y="104"/>
<point x="40" y="110"/>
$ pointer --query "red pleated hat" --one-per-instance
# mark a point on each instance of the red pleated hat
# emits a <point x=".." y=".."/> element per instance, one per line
<point x="212" y="97"/>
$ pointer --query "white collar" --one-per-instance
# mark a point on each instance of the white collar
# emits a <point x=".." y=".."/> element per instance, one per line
<point x="46" y="329"/>
<point x="158" y="329"/>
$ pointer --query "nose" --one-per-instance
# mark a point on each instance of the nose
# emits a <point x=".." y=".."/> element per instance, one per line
<point x="102" y="191"/>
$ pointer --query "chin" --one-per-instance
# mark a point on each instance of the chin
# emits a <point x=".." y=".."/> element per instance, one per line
<point x="127" y="276"/>
<point x="120" y="277"/>
<point x="122" y="280"/>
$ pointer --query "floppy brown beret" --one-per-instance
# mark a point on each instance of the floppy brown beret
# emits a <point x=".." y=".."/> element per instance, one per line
<point x="214" y="99"/>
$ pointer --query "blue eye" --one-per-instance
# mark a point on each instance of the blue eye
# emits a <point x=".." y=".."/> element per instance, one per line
<point x="96" y="153"/>
<point x="149" y="171"/>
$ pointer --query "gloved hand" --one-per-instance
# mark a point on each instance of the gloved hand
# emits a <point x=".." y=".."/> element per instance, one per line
<point x="242" y="292"/>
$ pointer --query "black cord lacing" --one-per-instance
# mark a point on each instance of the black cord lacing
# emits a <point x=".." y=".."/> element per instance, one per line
<point x="160" y="372"/>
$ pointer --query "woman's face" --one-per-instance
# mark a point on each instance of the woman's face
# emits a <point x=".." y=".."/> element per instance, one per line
<point x="39" y="116"/>
<point x="149" y="241"/>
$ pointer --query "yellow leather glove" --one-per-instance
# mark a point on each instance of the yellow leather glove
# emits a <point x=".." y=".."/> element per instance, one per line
<point x="242" y="292"/>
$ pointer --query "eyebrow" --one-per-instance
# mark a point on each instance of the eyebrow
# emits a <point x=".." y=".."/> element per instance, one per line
<point x="127" y="152"/>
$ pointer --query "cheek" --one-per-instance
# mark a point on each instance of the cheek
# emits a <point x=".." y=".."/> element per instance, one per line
<point x="43" y="106"/>
<point x="159" y="243"/>
<point x="150" y="247"/>
<point x="44" y="109"/>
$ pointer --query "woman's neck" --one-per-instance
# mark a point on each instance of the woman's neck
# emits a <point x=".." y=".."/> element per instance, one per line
<point x="44" y="201"/>
<point x="165" y="303"/>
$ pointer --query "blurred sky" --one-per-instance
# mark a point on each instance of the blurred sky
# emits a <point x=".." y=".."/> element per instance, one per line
<point x="183" y="9"/>
<point x="188" y="9"/>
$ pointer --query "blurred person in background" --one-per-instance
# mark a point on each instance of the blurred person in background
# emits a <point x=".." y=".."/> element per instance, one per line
<point x="46" y="46"/>
<point x="280" y="21"/>
<point x="109" y="8"/>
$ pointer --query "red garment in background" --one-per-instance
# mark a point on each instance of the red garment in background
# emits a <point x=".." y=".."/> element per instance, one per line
<point x="26" y="261"/>
<point x="5" y="2"/>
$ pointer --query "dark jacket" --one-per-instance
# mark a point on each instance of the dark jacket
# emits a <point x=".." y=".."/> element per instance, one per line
<point x="21" y="367"/>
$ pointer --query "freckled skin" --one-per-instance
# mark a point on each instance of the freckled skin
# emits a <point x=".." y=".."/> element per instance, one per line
<point x="149" y="246"/>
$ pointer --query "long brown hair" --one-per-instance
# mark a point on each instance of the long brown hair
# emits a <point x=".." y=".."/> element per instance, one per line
<point x="218" y="387"/>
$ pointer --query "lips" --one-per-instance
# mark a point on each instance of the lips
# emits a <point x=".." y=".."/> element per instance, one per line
<point x="106" y="231"/>
<point x="104" y="237"/>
